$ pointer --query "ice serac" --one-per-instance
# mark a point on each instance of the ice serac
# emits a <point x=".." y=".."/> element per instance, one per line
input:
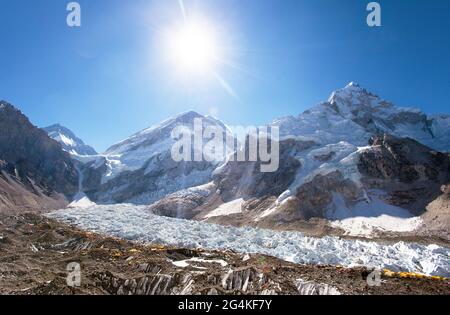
<point x="69" y="141"/>
<point x="35" y="173"/>
<point x="141" y="170"/>
<point x="135" y="223"/>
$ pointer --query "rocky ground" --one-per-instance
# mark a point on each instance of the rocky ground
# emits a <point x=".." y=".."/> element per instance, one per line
<point x="35" y="252"/>
<point x="437" y="218"/>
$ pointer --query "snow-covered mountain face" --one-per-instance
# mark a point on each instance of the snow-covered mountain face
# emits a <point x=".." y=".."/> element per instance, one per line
<point x="131" y="154"/>
<point x="343" y="126"/>
<point x="141" y="169"/>
<point x="353" y="114"/>
<point x="378" y="116"/>
<point x="69" y="141"/>
<point x="354" y="156"/>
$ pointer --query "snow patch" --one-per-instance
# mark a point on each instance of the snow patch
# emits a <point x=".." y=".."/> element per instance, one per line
<point x="369" y="227"/>
<point x="81" y="201"/>
<point x="186" y="263"/>
<point x="369" y="217"/>
<point x="63" y="139"/>
<point x="233" y="207"/>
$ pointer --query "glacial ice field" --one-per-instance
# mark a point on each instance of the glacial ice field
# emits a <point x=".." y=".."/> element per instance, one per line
<point x="135" y="223"/>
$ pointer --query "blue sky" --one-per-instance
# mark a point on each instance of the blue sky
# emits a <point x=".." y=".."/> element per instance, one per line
<point x="107" y="80"/>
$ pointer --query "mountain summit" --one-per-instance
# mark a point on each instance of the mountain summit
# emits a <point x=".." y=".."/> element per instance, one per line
<point x="354" y="114"/>
<point x="69" y="141"/>
<point x="140" y="169"/>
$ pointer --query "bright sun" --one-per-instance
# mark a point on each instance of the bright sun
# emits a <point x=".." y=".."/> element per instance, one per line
<point x="196" y="49"/>
<point x="193" y="47"/>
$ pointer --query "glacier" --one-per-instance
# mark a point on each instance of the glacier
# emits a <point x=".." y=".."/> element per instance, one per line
<point x="136" y="223"/>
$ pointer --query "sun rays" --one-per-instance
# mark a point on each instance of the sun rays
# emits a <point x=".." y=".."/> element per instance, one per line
<point x="196" y="49"/>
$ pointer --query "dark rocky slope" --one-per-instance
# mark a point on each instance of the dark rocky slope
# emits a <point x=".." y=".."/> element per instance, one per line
<point x="34" y="170"/>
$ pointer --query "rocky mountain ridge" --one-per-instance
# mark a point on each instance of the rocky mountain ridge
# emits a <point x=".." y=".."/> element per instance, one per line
<point x="35" y="173"/>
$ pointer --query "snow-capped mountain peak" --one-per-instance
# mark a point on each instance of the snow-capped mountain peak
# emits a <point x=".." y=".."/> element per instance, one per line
<point x="353" y="99"/>
<point x="353" y="114"/>
<point x="353" y="84"/>
<point x="353" y="96"/>
<point x="69" y="141"/>
<point x="141" y="168"/>
<point x="160" y="133"/>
